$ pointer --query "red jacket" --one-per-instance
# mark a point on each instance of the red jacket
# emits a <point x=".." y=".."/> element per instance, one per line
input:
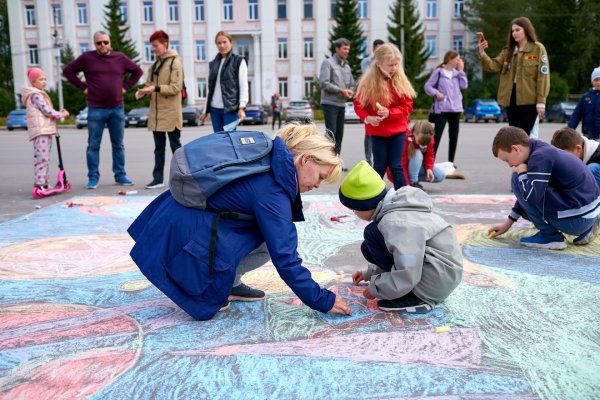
<point x="428" y="155"/>
<point x="400" y="108"/>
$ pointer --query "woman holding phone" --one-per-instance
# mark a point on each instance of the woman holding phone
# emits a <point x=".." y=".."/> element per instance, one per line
<point x="524" y="74"/>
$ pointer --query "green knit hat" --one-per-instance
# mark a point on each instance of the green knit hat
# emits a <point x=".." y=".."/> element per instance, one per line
<point x="362" y="189"/>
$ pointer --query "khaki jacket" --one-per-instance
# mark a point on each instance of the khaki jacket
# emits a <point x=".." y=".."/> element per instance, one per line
<point x="165" y="105"/>
<point x="530" y="71"/>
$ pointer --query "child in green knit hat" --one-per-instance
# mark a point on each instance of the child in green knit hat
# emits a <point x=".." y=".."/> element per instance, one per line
<point x="414" y="258"/>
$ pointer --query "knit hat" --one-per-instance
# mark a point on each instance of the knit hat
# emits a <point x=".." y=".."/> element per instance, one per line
<point x="595" y="73"/>
<point x="362" y="189"/>
<point x="34" y="73"/>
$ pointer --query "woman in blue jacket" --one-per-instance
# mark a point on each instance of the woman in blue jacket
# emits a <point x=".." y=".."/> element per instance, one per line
<point x="172" y="241"/>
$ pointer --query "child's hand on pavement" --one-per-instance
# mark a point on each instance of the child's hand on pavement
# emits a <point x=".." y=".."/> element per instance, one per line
<point x="357" y="277"/>
<point x="368" y="294"/>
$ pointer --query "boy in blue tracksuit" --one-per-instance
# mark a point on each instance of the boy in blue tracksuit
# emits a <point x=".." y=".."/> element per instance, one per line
<point x="588" y="110"/>
<point x="554" y="190"/>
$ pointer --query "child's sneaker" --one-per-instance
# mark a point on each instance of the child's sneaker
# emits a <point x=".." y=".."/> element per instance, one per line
<point x="550" y="242"/>
<point x="243" y="292"/>
<point x="408" y="303"/>
<point x="589" y="235"/>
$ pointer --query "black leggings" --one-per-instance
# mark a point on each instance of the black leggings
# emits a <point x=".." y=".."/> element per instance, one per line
<point x="440" y="123"/>
<point x="521" y="116"/>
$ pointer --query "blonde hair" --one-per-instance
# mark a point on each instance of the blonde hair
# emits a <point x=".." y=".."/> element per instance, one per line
<point x="373" y="86"/>
<point x="306" y="140"/>
<point x="423" y="132"/>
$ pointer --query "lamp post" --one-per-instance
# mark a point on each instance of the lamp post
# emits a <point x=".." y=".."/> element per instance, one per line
<point x="57" y="56"/>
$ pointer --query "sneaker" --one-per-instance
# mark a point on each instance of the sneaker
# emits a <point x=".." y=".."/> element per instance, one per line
<point x="92" y="184"/>
<point x="225" y="306"/>
<point x="154" y="185"/>
<point x="589" y="235"/>
<point x="243" y="292"/>
<point x="539" y="241"/>
<point x="417" y="185"/>
<point x="123" y="181"/>
<point x="408" y="303"/>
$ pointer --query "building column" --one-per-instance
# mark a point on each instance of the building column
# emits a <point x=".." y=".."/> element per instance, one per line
<point x="257" y="93"/>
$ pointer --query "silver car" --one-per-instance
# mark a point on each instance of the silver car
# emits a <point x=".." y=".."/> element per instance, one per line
<point x="299" y="110"/>
<point x="81" y="119"/>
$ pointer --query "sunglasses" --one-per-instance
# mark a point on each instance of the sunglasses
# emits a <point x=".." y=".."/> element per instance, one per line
<point x="102" y="42"/>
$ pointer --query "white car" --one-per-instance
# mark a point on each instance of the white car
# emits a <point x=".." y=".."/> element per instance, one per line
<point x="299" y="110"/>
<point x="350" y="114"/>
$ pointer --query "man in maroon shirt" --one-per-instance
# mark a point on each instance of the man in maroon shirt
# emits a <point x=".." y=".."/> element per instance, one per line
<point x="104" y="71"/>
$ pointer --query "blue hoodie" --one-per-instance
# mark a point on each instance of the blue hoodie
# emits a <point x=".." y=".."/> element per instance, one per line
<point x="588" y="112"/>
<point x="172" y="241"/>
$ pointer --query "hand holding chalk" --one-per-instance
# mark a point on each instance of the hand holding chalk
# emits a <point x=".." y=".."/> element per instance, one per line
<point x="492" y="234"/>
<point x="378" y="105"/>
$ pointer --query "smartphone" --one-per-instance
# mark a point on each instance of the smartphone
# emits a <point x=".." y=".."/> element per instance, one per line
<point x="480" y="36"/>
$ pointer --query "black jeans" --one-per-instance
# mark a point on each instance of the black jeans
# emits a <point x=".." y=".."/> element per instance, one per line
<point x="334" y="123"/>
<point x="453" y="119"/>
<point x="388" y="152"/>
<point x="521" y="116"/>
<point x="160" y="142"/>
<point x="276" y="115"/>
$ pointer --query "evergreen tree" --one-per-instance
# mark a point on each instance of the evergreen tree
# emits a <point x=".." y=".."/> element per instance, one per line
<point x="113" y="24"/>
<point x="347" y="26"/>
<point x="415" y="53"/>
<point x="584" y="45"/>
<point x="7" y="99"/>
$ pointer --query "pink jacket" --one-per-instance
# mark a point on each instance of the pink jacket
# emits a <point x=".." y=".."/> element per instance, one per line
<point x="37" y="122"/>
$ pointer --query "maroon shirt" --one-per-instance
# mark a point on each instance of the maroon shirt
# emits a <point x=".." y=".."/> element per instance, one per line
<point x="104" y="77"/>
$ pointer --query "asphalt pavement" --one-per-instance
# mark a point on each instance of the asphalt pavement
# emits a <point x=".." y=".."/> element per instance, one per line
<point x="484" y="173"/>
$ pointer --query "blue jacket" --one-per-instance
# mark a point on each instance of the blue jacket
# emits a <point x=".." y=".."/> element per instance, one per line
<point x="559" y="182"/>
<point x="172" y="241"/>
<point x="588" y="110"/>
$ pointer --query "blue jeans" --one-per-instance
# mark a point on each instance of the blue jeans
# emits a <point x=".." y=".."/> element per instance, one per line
<point x="387" y="152"/>
<point x="549" y="225"/>
<point x="114" y="119"/>
<point x="334" y="123"/>
<point x="595" y="169"/>
<point x="416" y="170"/>
<point x="219" y="118"/>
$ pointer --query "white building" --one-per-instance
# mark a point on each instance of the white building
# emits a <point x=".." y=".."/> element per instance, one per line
<point x="284" y="41"/>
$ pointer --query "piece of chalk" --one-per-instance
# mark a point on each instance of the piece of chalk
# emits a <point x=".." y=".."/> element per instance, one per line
<point x="340" y="272"/>
<point x="491" y="234"/>
<point x="442" y="329"/>
<point x="379" y="106"/>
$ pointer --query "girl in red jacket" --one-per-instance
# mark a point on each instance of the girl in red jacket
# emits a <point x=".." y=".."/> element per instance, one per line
<point x="419" y="157"/>
<point x="384" y="102"/>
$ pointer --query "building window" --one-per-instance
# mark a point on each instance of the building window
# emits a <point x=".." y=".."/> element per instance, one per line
<point x="29" y="15"/>
<point x="430" y="45"/>
<point x="282" y="84"/>
<point x="309" y="87"/>
<point x="148" y="13"/>
<point x="202" y="88"/>
<point x="199" y="10"/>
<point x="227" y="10"/>
<point x="83" y="47"/>
<point x="33" y="54"/>
<point x="282" y="48"/>
<point x="82" y="18"/>
<point x="148" y="53"/>
<point x="362" y="9"/>
<point x="309" y="48"/>
<point x="56" y="15"/>
<point x="458" y="8"/>
<point x="242" y="47"/>
<point x="308" y="9"/>
<point x="123" y="12"/>
<point x="200" y="50"/>
<point x="281" y="9"/>
<point x="457" y="43"/>
<point x="252" y="10"/>
<point x="334" y="9"/>
<point x="431" y="11"/>
<point x="174" y="45"/>
<point x="173" y="11"/>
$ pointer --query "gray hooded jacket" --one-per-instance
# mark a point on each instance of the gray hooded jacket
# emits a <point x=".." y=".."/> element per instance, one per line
<point x="427" y="256"/>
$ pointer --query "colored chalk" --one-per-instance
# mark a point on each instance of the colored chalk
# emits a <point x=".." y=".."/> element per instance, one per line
<point x="340" y="272"/>
<point x="491" y="234"/>
<point x="442" y="329"/>
<point x="379" y="106"/>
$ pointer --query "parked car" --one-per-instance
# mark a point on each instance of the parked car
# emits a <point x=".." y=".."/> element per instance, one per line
<point x="191" y="115"/>
<point x="137" y="117"/>
<point x="350" y="114"/>
<point x="560" y="112"/>
<point x="81" y="119"/>
<point x="483" y="109"/>
<point x="16" y="119"/>
<point x="255" y="114"/>
<point x="299" y="110"/>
